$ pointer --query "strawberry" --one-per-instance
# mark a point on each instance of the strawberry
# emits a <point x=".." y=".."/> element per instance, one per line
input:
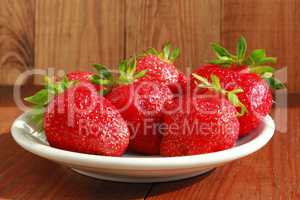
<point x="160" y="66"/>
<point x="227" y="76"/>
<point x="201" y="123"/>
<point x="257" y="97"/>
<point x="77" y="119"/>
<point x="140" y="103"/>
<point x="247" y="73"/>
<point x="82" y="77"/>
<point x="79" y="76"/>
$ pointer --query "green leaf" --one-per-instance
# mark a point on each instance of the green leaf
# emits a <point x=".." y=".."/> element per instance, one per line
<point x="241" y="49"/>
<point x="125" y="80"/>
<point x="201" y="79"/>
<point x="103" y="71"/>
<point x="233" y="98"/>
<point x="42" y="98"/>
<point x="98" y="67"/>
<point x="259" y="57"/>
<point x="243" y="110"/>
<point x="152" y="51"/>
<point x="166" y="50"/>
<point x="131" y="67"/>
<point x="140" y="74"/>
<point x="100" y="81"/>
<point x="222" y="61"/>
<point x="236" y="91"/>
<point x="258" y="54"/>
<point x="37" y="116"/>
<point x="49" y="84"/>
<point x="261" y="69"/>
<point x="39" y="98"/>
<point x="65" y="83"/>
<point x="275" y="83"/>
<point x="123" y="67"/>
<point x="220" y="51"/>
<point x="59" y="88"/>
<point x="38" y="121"/>
<point x="104" y="92"/>
<point x="215" y="82"/>
<point x="174" y="54"/>
<point x="248" y="61"/>
<point x="265" y="60"/>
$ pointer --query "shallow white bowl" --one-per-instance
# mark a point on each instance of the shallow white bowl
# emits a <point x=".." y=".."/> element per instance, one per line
<point x="137" y="168"/>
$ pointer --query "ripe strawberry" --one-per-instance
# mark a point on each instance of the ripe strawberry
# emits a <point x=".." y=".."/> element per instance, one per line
<point x="235" y="72"/>
<point x="202" y="124"/>
<point x="83" y="77"/>
<point x="160" y="66"/>
<point x="79" y="76"/>
<point x="257" y="98"/>
<point x="140" y="103"/>
<point x="77" y="119"/>
<point x="227" y="76"/>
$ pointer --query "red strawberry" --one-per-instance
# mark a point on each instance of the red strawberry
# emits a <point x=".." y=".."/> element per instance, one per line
<point x="83" y="77"/>
<point x="256" y="95"/>
<point x="227" y="76"/>
<point x="240" y="72"/>
<point x="77" y="119"/>
<point x="141" y="105"/>
<point x="79" y="76"/>
<point x="257" y="98"/>
<point x="160" y="66"/>
<point x="202" y="124"/>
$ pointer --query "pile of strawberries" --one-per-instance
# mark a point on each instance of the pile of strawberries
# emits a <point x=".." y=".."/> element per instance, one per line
<point x="150" y="107"/>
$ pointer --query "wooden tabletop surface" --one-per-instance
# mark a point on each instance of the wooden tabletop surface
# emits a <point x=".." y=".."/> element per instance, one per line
<point x="271" y="173"/>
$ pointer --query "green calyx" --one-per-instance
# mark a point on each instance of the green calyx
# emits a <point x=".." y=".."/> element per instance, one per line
<point x="42" y="98"/>
<point x="103" y="77"/>
<point x="127" y="74"/>
<point x="215" y="86"/>
<point x="167" y="54"/>
<point x="257" y="61"/>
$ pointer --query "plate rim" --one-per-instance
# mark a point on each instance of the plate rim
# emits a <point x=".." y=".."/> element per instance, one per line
<point x="147" y="162"/>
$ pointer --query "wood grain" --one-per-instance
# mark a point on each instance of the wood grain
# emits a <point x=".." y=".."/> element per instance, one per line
<point x="25" y="176"/>
<point x="269" y="24"/>
<point x="73" y="34"/>
<point x="16" y="38"/>
<point x="189" y="25"/>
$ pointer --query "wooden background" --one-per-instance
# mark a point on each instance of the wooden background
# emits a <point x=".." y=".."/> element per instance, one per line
<point x="72" y="34"/>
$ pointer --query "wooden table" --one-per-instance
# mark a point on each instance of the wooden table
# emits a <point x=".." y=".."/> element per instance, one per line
<point x="271" y="173"/>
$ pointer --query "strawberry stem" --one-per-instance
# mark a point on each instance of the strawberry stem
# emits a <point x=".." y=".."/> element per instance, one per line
<point x="127" y="74"/>
<point x="42" y="98"/>
<point x="215" y="86"/>
<point x="257" y="61"/>
<point x="167" y="54"/>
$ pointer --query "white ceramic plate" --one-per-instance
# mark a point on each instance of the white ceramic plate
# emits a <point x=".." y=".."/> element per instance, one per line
<point x="138" y="168"/>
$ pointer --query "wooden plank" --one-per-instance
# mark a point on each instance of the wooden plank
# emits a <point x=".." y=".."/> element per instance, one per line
<point x="26" y="176"/>
<point x="189" y="25"/>
<point x="72" y="34"/>
<point x="269" y="24"/>
<point x="16" y="38"/>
